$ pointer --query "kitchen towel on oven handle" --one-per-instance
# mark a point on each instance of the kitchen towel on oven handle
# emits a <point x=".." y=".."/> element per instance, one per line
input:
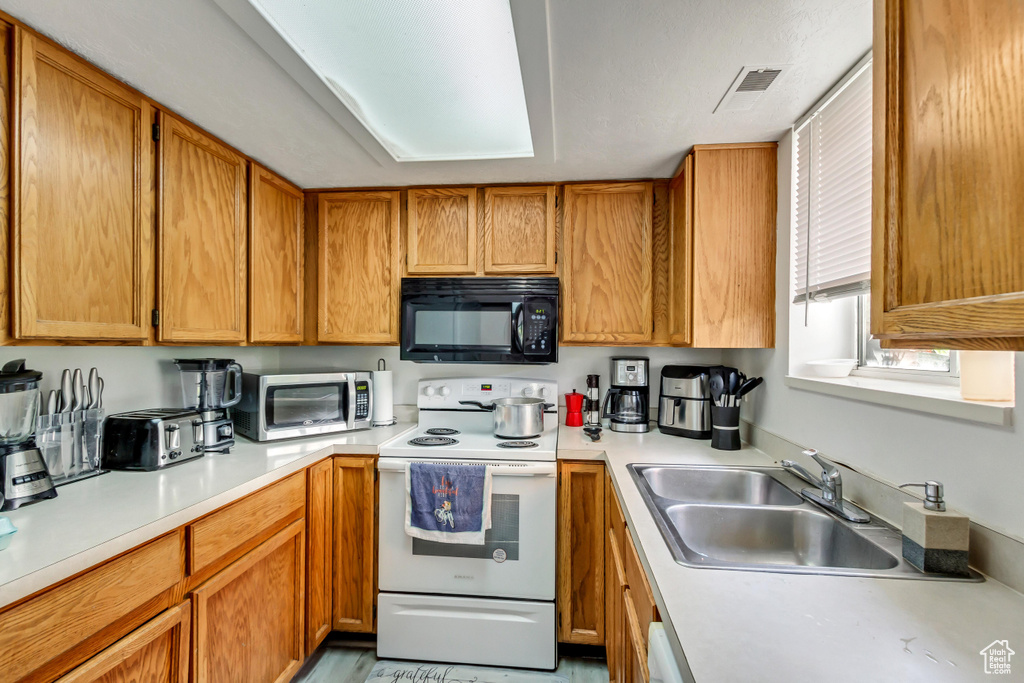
<point x="447" y="502"/>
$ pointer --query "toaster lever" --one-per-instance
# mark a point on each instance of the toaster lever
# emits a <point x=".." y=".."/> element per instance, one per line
<point x="198" y="435"/>
<point x="172" y="435"/>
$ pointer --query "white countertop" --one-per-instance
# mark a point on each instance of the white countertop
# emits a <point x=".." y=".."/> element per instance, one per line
<point x="755" y="626"/>
<point x="93" y="520"/>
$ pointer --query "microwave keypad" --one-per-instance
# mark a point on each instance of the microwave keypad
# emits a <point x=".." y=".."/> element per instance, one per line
<point x="538" y="327"/>
<point x="362" y="402"/>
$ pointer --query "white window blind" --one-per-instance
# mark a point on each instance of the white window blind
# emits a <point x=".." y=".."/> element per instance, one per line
<point x="832" y="202"/>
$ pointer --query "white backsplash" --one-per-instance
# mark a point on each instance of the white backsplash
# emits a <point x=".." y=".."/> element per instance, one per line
<point x="146" y="377"/>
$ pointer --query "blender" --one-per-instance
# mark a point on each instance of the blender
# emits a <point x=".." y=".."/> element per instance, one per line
<point x="211" y="386"/>
<point x="23" y="473"/>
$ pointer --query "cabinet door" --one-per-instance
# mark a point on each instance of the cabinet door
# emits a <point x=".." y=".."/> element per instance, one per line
<point x="83" y="210"/>
<point x="615" y="584"/>
<point x="947" y="252"/>
<point x="635" y="652"/>
<point x="154" y="653"/>
<point x="608" y="263"/>
<point x="275" y="258"/>
<point x="355" y="543"/>
<point x="581" y="532"/>
<point x="319" y="551"/>
<point x="248" y="618"/>
<point x="360" y="267"/>
<point x="442" y="231"/>
<point x="202" y="237"/>
<point x="734" y="213"/>
<point x="681" y="256"/>
<point x="519" y="230"/>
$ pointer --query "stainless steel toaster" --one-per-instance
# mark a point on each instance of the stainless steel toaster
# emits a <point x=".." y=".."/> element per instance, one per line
<point x="150" y="439"/>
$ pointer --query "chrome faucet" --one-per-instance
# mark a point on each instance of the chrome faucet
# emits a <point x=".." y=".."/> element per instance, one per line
<point x="829" y="493"/>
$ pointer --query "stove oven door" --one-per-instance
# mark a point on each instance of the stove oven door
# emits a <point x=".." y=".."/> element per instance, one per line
<point x="517" y="559"/>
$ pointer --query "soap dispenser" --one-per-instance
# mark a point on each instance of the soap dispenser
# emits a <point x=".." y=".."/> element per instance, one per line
<point x="935" y="540"/>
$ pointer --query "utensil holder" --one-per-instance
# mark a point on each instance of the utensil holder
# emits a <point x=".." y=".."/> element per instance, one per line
<point x="70" y="444"/>
<point x="725" y="428"/>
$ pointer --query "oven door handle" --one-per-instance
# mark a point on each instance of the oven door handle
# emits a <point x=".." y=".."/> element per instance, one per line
<point x="544" y="469"/>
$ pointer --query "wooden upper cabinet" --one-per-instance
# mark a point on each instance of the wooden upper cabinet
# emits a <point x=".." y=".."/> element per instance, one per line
<point x="83" y="202"/>
<point x="275" y="258"/>
<point x="733" y="224"/>
<point x="680" y="306"/>
<point x="442" y="231"/>
<point x="202" y="237"/>
<point x="607" y="271"/>
<point x="360" y="267"/>
<point x="948" y="181"/>
<point x="519" y="230"/>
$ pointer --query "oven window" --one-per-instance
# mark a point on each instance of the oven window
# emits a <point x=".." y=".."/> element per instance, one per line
<point x="484" y="326"/>
<point x="306" y="404"/>
<point x="503" y="535"/>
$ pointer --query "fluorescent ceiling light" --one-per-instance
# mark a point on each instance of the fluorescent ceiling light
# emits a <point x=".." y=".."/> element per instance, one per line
<point x="432" y="81"/>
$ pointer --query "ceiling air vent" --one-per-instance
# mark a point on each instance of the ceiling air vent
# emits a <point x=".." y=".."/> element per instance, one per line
<point x="748" y="87"/>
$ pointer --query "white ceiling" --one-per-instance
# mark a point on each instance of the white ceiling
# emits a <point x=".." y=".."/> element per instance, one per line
<point x="633" y="83"/>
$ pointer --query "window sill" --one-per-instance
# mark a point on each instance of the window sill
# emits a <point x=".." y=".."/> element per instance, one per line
<point x="937" y="399"/>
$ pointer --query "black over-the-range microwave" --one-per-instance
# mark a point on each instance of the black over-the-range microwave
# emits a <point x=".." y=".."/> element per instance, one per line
<point x="480" y="320"/>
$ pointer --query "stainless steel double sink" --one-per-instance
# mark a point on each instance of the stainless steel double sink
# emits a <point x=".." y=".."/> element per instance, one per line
<point x="753" y="519"/>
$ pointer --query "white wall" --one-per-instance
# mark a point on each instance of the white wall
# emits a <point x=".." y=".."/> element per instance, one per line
<point x="146" y="377"/>
<point x="982" y="466"/>
<point x="575" y="363"/>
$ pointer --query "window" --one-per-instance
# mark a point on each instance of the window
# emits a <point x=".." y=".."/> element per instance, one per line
<point x="832" y="238"/>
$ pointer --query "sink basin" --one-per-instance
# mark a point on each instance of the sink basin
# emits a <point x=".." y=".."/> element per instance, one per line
<point x="773" y="536"/>
<point x="717" y="485"/>
<point x="753" y="519"/>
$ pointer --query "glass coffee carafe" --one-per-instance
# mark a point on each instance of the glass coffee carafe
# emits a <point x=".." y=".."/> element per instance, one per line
<point x="210" y="383"/>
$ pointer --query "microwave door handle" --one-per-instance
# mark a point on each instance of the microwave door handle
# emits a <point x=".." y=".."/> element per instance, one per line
<point x="369" y="400"/>
<point x="517" y="327"/>
<point x="350" y="419"/>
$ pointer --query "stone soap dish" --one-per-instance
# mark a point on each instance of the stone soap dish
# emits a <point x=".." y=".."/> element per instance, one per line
<point x="834" y="367"/>
<point x="7" y="530"/>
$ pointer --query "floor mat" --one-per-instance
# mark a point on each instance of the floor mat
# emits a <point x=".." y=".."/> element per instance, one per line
<point x="420" y="672"/>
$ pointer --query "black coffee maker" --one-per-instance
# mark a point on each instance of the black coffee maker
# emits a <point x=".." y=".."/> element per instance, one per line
<point x="627" y="403"/>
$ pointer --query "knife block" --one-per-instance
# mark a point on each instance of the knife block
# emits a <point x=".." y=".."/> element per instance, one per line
<point x="70" y="444"/>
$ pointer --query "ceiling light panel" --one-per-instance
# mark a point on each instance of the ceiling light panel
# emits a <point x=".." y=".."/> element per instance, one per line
<point x="432" y="81"/>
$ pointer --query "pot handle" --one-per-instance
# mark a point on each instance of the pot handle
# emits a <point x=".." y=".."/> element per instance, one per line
<point x="548" y="405"/>
<point x="478" y="404"/>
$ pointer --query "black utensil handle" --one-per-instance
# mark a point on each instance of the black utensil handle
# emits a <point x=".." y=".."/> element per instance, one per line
<point x="478" y="404"/>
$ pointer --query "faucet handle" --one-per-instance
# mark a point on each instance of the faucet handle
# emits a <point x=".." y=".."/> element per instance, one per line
<point x="933" y="492"/>
<point x="827" y="468"/>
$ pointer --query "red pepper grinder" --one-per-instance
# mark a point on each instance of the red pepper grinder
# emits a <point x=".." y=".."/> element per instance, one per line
<point x="574" y="409"/>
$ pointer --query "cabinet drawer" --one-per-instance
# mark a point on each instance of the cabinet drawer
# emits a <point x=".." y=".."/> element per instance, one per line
<point x="244" y="521"/>
<point x="641" y="595"/>
<point x="53" y="625"/>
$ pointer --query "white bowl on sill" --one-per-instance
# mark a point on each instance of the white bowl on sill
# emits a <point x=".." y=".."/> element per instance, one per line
<point x="834" y="367"/>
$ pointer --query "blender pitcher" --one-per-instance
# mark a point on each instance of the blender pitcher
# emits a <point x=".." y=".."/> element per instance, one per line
<point x="210" y="383"/>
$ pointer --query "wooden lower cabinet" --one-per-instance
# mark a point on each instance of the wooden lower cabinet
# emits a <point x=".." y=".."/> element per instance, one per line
<point x="580" y="575"/>
<point x="248" y="619"/>
<point x="319" y="552"/>
<point x="156" y="652"/>
<point x="355" y="543"/>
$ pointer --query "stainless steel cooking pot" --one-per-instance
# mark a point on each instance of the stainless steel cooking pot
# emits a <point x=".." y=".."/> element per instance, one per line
<point x="516" y="417"/>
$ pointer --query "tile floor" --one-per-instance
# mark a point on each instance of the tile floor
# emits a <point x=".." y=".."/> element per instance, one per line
<point x="346" y="662"/>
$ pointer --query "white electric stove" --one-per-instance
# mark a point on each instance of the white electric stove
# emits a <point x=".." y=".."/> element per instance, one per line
<point x="490" y="604"/>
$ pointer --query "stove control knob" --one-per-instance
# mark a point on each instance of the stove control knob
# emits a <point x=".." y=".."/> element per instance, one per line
<point x="543" y="392"/>
<point x="429" y="391"/>
<point x="445" y="390"/>
<point x="528" y="391"/>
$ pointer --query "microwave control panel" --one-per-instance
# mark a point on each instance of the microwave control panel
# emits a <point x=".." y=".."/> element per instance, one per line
<point x="362" y="400"/>
<point x="539" y="329"/>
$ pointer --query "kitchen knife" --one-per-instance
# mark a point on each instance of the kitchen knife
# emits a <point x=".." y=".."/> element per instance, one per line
<point x="99" y="395"/>
<point x="65" y="391"/>
<point x="94" y="388"/>
<point x="78" y="399"/>
<point x="51" y="403"/>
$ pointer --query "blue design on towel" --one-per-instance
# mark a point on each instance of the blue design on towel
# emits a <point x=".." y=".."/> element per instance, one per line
<point x="447" y="497"/>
